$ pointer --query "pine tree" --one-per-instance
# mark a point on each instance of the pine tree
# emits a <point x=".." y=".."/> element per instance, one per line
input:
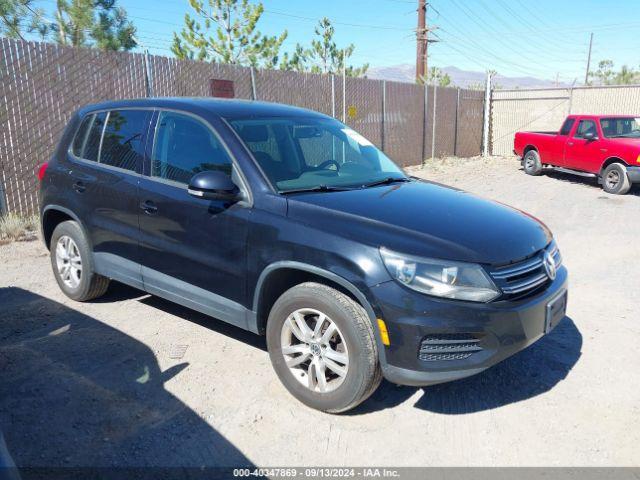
<point x="323" y="56"/>
<point x="225" y="31"/>
<point x="20" y="17"/>
<point x="100" y="23"/>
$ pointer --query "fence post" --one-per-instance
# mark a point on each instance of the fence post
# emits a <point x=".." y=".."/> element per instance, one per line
<point x="570" y="100"/>
<point x="254" y="95"/>
<point x="3" y="200"/>
<point x="425" y="113"/>
<point x="333" y="95"/>
<point x="433" y="120"/>
<point x="384" y="113"/>
<point x="487" y="114"/>
<point x="148" y="73"/>
<point x="455" y="133"/>
<point x="344" y="95"/>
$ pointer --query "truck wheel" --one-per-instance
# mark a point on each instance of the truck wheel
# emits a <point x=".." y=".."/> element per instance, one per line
<point x="322" y="347"/>
<point x="615" y="179"/>
<point x="531" y="163"/>
<point x="73" y="264"/>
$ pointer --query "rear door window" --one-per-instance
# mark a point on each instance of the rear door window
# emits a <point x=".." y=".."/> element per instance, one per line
<point x="122" y="145"/>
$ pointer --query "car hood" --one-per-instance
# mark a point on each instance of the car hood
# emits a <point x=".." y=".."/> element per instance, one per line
<point x="425" y="219"/>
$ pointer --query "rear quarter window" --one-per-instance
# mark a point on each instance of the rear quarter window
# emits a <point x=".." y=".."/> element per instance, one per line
<point x="567" y="126"/>
<point x="91" y="148"/>
<point x="81" y="135"/>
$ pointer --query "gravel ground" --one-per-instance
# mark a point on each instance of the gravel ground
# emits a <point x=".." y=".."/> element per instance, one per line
<point x="131" y="379"/>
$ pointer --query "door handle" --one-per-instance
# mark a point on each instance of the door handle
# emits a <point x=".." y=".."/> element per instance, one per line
<point x="570" y="144"/>
<point x="149" y="207"/>
<point x="79" y="186"/>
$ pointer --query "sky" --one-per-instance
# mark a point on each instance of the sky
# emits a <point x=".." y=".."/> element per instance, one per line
<point x="547" y="39"/>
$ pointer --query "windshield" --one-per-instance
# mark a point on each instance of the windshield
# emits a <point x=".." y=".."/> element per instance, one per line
<point x="628" y="127"/>
<point x="301" y="153"/>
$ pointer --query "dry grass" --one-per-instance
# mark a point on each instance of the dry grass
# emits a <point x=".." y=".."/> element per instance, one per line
<point x="15" y="227"/>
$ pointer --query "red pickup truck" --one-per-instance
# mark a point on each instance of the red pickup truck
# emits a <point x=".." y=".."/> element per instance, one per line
<point x="603" y="146"/>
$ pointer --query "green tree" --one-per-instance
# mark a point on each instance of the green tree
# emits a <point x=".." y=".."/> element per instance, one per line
<point x="226" y="32"/>
<point x="626" y="76"/>
<point x="435" y="76"/>
<point x="604" y="74"/>
<point x="20" y="17"/>
<point x="100" y="23"/>
<point x="296" y="61"/>
<point x="323" y="56"/>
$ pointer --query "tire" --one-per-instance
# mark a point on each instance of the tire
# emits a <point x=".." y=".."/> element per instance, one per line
<point x="78" y="281"/>
<point x="615" y="179"/>
<point x="531" y="163"/>
<point x="353" y="340"/>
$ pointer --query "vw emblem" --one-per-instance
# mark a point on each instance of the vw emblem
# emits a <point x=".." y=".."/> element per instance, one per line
<point x="549" y="265"/>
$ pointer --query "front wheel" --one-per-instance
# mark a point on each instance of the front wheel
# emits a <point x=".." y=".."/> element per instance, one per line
<point x="615" y="179"/>
<point x="531" y="163"/>
<point x="322" y="347"/>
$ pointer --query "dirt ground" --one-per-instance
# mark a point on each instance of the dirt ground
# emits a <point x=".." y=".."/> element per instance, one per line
<point x="131" y="379"/>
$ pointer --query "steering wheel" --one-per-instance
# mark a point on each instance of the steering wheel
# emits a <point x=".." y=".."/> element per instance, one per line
<point x="327" y="163"/>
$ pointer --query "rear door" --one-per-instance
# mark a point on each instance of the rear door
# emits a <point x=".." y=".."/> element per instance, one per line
<point x="105" y="164"/>
<point x="580" y="150"/>
<point x="559" y="143"/>
<point x="193" y="251"/>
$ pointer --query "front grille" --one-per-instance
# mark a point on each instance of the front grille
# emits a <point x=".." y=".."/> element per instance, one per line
<point x="449" y="346"/>
<point x="526" y="277"/>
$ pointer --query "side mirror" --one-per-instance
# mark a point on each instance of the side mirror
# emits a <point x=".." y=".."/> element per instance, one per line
<point x="213" y="185"/>
<point x="590" y="136"/>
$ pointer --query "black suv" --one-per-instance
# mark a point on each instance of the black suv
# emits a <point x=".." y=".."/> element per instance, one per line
<point x="288" y="223"/>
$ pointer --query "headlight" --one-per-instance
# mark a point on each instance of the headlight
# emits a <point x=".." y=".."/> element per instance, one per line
<point x="441" y="278"/>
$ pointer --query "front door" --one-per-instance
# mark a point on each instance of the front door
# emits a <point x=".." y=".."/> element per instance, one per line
<point x="193" y="250"/>
<point x="579" y="149"/>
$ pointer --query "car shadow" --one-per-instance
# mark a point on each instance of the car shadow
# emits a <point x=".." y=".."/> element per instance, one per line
<point x="119" y="292"/>
<point x="77" y="393"/>
<point x="578" y="180"/>
<point x="527" y="374"/>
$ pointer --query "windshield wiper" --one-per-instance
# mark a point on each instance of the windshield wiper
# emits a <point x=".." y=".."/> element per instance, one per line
<point x="386" y="181"/>
<point x="317" y="188"/>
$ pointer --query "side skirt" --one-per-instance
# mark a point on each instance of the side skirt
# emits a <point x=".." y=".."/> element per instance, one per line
<point x="175" y="290"/>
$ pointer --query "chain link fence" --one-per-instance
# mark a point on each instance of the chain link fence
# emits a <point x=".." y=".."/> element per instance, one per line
<point x="43" y="84"/>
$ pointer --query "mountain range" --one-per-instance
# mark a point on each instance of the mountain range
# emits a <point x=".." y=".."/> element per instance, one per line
<point x="459" y="78"/>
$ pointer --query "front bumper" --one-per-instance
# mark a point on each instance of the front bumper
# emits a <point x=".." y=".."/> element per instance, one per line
<point x="634" y="174"/>
<point x="501" y="328"/>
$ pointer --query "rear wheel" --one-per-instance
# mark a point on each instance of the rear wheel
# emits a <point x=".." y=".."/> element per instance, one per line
<point x="322" y="347"/>
<point x="615" y="179"/>
<point x="531" y="163"/>
<point x="72" y="263"/>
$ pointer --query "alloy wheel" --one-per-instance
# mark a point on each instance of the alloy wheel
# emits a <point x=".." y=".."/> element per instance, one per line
<point x="68" y="261"/>
<point x="314" y="350"/>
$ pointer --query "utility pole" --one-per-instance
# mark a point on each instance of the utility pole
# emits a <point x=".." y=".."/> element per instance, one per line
<point x="422" y="41"/>
<point x="586" y="75"/>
